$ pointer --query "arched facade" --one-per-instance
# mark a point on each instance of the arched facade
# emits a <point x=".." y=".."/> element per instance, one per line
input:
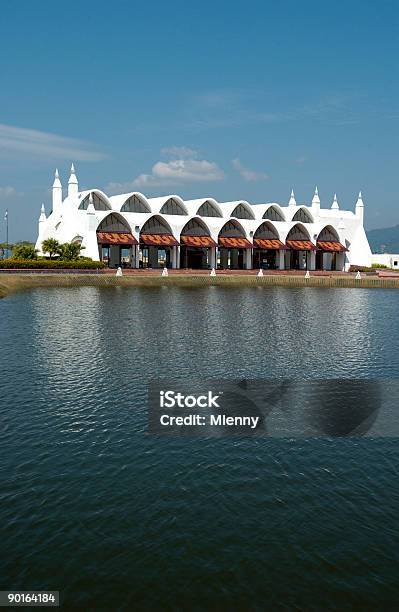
<point x="100" y="201"/>
<point x="274" y="213"/>
<point x="196" y="245"/>
<point x="268" y="247"/>
<point x="330" y="253"/>
<point x="153" y="232"/>
<point x="157" y="244"/>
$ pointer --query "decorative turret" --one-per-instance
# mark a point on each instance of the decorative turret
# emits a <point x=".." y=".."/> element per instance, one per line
<point x="359" y="209"/>
<point x="292" y="201"/>
<point x="316" y="201"/>
<point x="57" y="193"/>
<point x="335" y="205"/>
<point x="42" y="217"/>
<point x="73" y="186"/>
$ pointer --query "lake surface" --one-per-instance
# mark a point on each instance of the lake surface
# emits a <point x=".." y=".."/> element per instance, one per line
<point x="116" y="519"/>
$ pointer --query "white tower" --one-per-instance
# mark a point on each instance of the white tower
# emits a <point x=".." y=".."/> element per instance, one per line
<point x="57" y="193"/>
<point x="292" y="201"/>
<point x="73" y="187"/>
<point x="316" y="202"/>
<point x="335" y="205"/>
<point x="359" y="210"/>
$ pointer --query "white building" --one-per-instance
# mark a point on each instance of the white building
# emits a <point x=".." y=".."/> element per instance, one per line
<point x="135" y="231"/>
<point x="386" y="259"/>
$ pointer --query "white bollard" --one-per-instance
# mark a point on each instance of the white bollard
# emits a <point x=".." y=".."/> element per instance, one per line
<point x="260" y="273"/>
<point x="119" y="271"/>
<point x="307" y="275"/>
<point x="358" y="276"/>
<point x="164" y="272"/>
<point x="213" y="272"/>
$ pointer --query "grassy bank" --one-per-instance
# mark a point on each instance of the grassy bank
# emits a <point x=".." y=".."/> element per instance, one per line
<point x="11" y="283"/>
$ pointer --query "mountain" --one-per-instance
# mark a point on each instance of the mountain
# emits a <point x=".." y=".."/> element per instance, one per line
<point x="385" y="240"/>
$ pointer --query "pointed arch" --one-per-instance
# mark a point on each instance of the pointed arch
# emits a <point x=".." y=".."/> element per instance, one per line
<point x="274" y="213"/>
<point x="243" y="211"/>
<point x="114" y="222"/>
<point x="209" y="208"/>
<point x="195" y="227"/>
<point x="232" y="229"/>
<point x="298" y="232"/>
<point x="156" y="225"/>
<point x="266" y="231"/>
<point x="136" y="203"/>
<point x="303" y="215"/>
<point x="328" y="234"/>
<point x="100" y="201"/>
<point x="173" y="206"/>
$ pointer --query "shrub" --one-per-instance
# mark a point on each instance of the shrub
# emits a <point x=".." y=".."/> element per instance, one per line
<point x="361" y="269"/>
<point x="24" y="251"/>
<point x="50" y="264"/>
<point x="377" y="265"/>
<point x="50" y="246"/>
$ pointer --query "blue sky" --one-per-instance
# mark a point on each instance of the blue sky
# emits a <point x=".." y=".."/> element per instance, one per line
<point x="228" y="99"/>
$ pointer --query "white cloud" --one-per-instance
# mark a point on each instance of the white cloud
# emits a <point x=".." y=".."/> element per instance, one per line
<point x="180" y="152"/>
<point x="247" y="174"/>
<point x="174" y="172"/>
<point x="23" y="142"/>
<point x="7" y="192"/>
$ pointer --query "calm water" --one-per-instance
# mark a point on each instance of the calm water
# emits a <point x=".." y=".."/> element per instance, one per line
<point x="116" y="519"/>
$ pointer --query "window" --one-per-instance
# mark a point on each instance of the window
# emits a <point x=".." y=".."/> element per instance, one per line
<point x="155" y="225"/>
<point x="230" y="229"/>
<point x="266" y="232"/>
<point x="297" y="233"/>
<point x="328" y="235"/>
<point x="207" y="209"/>
<point x="98" y="201"/>
<point x="194" y="228"/>
<point x="172" y="207"/>
<point x="302" y="215"/>
<point x="395" y="263"/>
<point x="242" y="212"/>
<point x="135" y="204"/>
<point x="273" y="214"/>
<point x="112" y="223"/>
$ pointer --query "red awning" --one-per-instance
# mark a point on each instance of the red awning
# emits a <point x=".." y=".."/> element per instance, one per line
<point x="331" y="245"/>
<point x="198" y="241"/>
<point x="301" y="245"/>
<point x="234" y="243"/>
<point x="262" y="243"/>
<point x="159" y="240"/>
<point x="116" y="238"/>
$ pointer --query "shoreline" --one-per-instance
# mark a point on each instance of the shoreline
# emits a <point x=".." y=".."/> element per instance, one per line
<point x="10" y="283"/>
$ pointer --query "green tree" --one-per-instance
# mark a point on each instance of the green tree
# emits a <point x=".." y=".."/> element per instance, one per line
<point x="69" y="251"/>
<point x="51" y="246"/>
<point x="24" y="251"/>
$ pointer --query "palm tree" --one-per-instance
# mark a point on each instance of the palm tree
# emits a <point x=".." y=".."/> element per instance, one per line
<point x="50" y="246"/>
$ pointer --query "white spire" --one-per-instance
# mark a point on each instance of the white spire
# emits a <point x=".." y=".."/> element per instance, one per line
<point x="359" y="208"/>
<point x="316" y="200"/>
<point x="335" y="205"/>
<point x="57" y="182"/>
<point x="57" y="192"/>
<point x="292" y="201"/>
<point x="73" y="186"/>
<point x="42" y="214"/>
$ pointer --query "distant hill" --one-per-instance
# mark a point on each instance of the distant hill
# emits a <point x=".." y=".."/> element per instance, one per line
<point x="385" y="240"/>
